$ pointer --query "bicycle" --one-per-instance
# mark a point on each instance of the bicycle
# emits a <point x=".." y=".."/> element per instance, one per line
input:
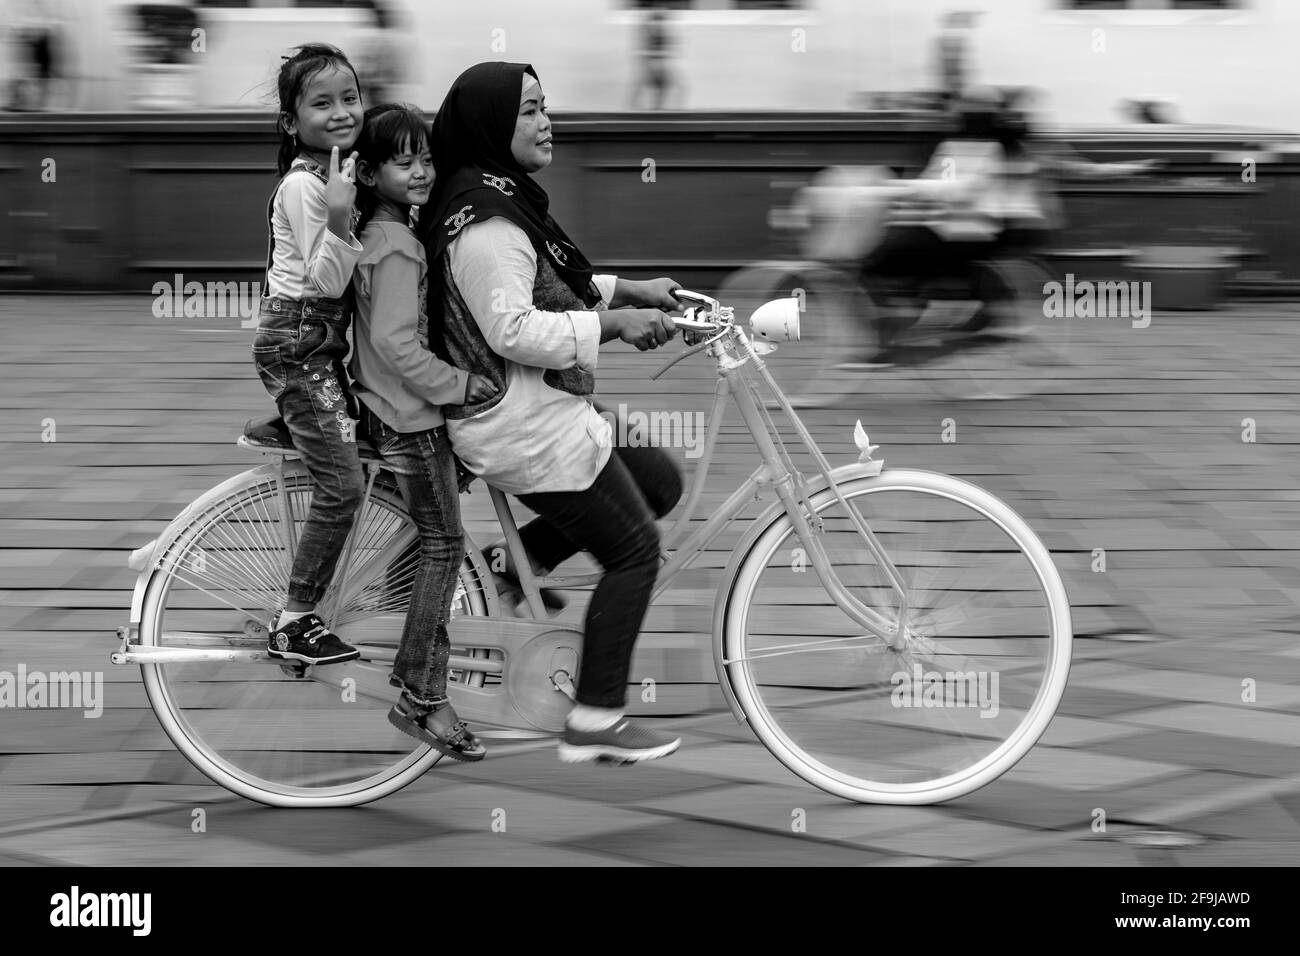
<point x="837" y="598"/>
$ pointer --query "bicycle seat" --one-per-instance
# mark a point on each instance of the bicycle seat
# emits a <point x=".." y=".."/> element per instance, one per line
<point x="272" y="435"/>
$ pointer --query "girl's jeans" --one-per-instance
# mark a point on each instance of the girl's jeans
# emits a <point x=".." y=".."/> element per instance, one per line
<point x="299" y="350"/>
<point x="426" y="476"/>
<point x="614" y="519"/>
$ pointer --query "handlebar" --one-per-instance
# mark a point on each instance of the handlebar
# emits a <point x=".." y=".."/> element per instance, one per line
<point x="700" y="306"/>
<point x="774" y="321"/>
<point x="691" y="324"/>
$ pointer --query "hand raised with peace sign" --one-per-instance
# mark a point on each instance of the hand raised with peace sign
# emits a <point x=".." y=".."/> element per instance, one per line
<point x="341" y="193"/>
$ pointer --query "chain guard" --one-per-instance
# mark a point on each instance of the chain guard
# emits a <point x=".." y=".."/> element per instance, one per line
<point x="540" y="676"/>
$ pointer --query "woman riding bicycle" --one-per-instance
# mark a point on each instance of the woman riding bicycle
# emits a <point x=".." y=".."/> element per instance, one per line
<point x="521" y="306"/>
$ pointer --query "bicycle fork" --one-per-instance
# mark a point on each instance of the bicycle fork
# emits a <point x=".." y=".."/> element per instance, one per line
<point x="808" y="524"/>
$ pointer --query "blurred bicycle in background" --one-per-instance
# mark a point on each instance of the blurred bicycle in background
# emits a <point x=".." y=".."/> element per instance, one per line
<point x="935" y="280"/>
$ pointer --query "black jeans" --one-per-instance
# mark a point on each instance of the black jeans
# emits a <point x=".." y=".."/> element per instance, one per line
<point x="426" y="476"/>
<point x="614" y="519"/>
<point x="298" y="351"/>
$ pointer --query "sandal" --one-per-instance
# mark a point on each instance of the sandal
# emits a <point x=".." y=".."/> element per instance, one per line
<point x="454" y="739"/>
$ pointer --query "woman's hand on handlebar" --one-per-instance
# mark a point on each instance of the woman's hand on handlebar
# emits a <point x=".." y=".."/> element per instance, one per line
<point x="650" y="294"/>
<point x="644" y="328"/>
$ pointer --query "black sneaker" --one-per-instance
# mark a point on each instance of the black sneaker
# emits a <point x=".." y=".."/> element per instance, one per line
<point x="625" y="742"/>
<point x="308" y="640"/>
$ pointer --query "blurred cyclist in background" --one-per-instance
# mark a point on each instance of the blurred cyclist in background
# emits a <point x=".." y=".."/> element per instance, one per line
<point x="988" y="191"/>
<point x="1033" y="167"/>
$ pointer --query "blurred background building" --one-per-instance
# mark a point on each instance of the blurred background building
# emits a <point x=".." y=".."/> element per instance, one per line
<point x="1228" y="61"/>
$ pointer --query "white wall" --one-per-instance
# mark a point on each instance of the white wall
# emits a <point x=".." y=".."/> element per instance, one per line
<point x="1245" y="72"/>
<point x="1241" y="73"/>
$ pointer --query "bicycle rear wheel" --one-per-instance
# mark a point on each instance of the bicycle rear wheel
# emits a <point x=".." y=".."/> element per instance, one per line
<point x="837" y="325"/>
<point x="977" y="681"/>
<point x="273" y="732"/>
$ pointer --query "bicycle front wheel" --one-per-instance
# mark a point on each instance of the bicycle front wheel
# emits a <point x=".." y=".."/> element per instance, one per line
<point x="276" y="733"/>
<point x="979" y="673"/>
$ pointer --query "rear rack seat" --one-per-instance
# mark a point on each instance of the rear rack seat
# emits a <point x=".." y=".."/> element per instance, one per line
<point x="271" y="436"/>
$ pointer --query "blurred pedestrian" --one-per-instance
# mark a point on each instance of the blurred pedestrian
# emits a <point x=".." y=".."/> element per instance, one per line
<point x="164" y="67"/>
<point x="40" y="53"/>
<point x="656" y="75"/>
<point x="380" y="52"/>
<point x="954" y="56"/>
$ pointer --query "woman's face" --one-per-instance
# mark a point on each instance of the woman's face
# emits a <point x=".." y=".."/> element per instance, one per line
<point x="531" y="145"/>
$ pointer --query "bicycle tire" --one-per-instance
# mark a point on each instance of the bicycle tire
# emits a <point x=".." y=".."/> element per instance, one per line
<point x="759" y="604"/>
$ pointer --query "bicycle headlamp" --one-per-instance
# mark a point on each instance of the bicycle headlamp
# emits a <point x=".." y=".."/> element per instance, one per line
<point x="777" y="321"/>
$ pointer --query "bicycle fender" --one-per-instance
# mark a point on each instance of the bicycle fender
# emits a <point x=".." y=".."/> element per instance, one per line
<point x="817" y="485"/>
<point x="137" y="595"/>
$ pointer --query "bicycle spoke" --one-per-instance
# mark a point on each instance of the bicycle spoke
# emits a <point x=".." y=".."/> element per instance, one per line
<point x="371" y="584"/>
<point x="782" y="650"/>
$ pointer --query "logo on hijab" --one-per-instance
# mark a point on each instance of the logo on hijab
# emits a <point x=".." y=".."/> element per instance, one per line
<point x="557" y="253"/>
<point x="459" y="220"/>
<point x="499" y="183"/>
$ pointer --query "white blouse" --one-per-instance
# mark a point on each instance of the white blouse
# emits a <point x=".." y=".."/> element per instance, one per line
<point x="537" y="438"/>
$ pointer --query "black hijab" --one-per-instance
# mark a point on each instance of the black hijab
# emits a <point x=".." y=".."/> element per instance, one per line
<point x="478" y="177"/>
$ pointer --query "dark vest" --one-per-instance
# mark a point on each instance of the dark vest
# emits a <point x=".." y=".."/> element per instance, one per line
<point x="463" y="346"/>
